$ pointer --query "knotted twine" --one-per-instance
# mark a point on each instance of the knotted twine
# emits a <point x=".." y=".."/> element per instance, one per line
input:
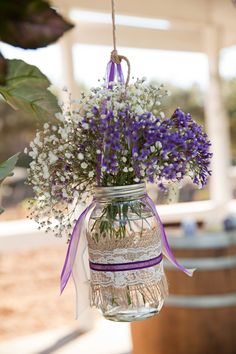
<point x="114" y="65"/>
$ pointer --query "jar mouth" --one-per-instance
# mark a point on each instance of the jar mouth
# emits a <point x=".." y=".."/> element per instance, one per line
<point x="132" y="190"/>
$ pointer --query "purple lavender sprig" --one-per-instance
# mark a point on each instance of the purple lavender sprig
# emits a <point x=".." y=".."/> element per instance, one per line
<point x="137" y="147"/>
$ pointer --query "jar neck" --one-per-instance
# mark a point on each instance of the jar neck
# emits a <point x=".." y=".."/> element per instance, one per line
<point x="133" y="191"/>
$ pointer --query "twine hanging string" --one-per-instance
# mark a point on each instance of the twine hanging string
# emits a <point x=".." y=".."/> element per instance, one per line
<point x="115" y="57"/>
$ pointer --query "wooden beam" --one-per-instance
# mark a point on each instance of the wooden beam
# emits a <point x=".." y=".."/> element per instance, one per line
<point x="223" y="14"/>
<point x="99" y="34"/>
<point x="186" y="12"/>
<point x="168" y="9"/>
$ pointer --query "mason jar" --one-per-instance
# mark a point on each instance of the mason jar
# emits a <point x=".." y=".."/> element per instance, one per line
<point x="127" y="280"/>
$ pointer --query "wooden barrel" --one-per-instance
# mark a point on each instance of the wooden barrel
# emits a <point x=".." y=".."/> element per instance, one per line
<point x="199" y="316"/>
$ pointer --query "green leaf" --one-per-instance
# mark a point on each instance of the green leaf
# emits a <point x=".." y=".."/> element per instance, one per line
<point x="26" y="88"/>
<point x="30" y="24"/>
<point x="7" y="166"/>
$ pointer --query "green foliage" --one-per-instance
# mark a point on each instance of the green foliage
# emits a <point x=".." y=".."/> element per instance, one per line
<point x="26" y="88"/>
<point x="190" y="100"/>
<point x="6" y="168"/>
<point x="17" y="128"/>
<point x="30" y="24"/>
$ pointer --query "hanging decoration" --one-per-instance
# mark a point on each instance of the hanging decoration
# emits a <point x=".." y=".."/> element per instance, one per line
<point x="101" y="150"/>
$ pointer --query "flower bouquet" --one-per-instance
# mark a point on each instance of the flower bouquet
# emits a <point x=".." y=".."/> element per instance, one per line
<point x="104" y="147"/>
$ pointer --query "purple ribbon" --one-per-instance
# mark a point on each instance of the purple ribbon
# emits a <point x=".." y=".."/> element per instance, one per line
<point x="165" y="244"/>
<point x="112" y="71"/>
<point x="72" y="247"/>
<point x="119" y="267"/>
<point x="120" y="74"/>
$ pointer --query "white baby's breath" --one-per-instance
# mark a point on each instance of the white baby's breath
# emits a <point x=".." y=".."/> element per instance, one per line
<point x="62" y="171"/>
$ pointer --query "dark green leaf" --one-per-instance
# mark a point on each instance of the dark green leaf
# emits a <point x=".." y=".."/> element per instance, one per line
<point x="27" y="89"/>
<point x="3" y="69"/>
<point x="7" y="166"/>
<point x="30" y="24"/>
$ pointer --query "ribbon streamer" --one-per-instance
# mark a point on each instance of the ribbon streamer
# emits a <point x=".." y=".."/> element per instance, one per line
<point x="73" y="246"/>
<point x="165" y="244"/>
<point x="120" y="74"/>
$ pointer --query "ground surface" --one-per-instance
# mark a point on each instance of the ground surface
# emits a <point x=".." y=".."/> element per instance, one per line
<point x="29" y="292"/>
<point x="17" y="212"/>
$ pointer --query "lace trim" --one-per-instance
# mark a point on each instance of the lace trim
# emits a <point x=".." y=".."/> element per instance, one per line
<point x="124" y="255"/>
<point x="140" y="247"/>
<point x="125" y="278"/>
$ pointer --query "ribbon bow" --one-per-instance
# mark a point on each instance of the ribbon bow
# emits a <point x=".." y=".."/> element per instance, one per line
<point x="114" y="69"/>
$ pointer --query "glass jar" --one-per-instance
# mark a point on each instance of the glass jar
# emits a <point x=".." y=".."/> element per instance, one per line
<point x="127" y="280"/>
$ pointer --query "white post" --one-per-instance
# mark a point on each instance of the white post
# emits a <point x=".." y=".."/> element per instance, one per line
<point x="217" y="123"/>
<point x="66" y="46"/>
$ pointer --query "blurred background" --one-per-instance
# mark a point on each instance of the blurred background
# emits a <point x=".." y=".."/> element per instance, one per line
<point x="190" y="46"/>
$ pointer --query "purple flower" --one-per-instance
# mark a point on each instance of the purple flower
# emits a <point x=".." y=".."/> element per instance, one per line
<point x="156" y="148"/>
